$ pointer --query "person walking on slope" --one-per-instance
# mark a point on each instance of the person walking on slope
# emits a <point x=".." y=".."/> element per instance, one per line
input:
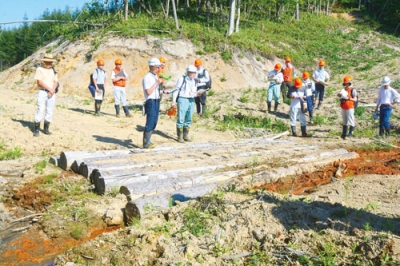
<point x="275" y="78"/>
<point x="288" y="72"/>
<point x="348" y="96"/>
<point x="321" y="78"/>
<point x="47" y="82"/>
<point x="387" y="96"/>
<point x="99" y="81"/>
<point x="152" y="95"/>
<point x="183" y="95"/>
<point x="202" y="78"/>
<point x="310" y="88"/>
<point x="297" y="93"/>
<point x="119" y="78"/>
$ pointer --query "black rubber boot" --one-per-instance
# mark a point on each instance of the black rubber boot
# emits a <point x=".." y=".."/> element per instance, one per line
<point x="387" y="134"/>
<point x="117" y="111"/>
<point x="294" y="134"/>
<point x="126" y="111"/>
<point x="186" y="134"/>
<point x="304" y="132"/>
<point x="269" y="107"/>
<point x="36" y="130"/>
<point x="146" y="140"/>
<point x="203" y="109"/>
<point x="198" y="109"/>
<point x="344" y="132"/>
<point x="97" y="109"/>
<point x="179" y="133"/>
<point x="276" y="107"/>
<point x="319" y="105"/>
<point x="381" y="131"/>
<point x="46" y="128"/>
<point x="351" y="132"/>
<point x="311" y="118"/>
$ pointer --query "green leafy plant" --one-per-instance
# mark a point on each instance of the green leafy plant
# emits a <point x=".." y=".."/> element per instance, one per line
<point x="40" y="166"/>
<point x="9" y="154"/>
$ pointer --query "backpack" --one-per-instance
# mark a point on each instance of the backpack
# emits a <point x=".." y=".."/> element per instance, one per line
<point x="208" y="84"/>
<point x="91" y="86"/>
<point x="356" y="102"/>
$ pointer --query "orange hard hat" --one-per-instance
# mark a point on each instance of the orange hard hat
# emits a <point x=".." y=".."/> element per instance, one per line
<point x="278" y="67"/>
<point x="162" y="59"/>
<point x="287" y="59"/>
<point x="321" y="63"/>
<point x="298" y="83"/>
<point x="347" y="79"/>
<point x="306" y="75"/>
<point x="100" y="62"/>
<point x="197" y="62"/>
<point x="118" y="62"/>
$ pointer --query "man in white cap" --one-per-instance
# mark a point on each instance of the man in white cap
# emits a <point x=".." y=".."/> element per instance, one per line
<point x="47" y="81"/>
<point x="184" y="95"/>
<point x="151" y="83"/>
<point x="386" y="98"/>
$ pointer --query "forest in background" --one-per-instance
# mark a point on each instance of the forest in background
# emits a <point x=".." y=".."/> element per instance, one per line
<point x="215" y="25"/>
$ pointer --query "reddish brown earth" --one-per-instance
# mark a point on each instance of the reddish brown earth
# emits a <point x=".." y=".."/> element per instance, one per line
<point x="33" y="246"/>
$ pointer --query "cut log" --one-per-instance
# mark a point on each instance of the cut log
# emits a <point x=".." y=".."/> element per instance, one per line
<point x="137" y="208"/>
<point x="67" y="158"/>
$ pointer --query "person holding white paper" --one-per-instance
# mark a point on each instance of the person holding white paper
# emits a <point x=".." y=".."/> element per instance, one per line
<point x="99" y="80"/>
<point x="321" y="79"/>
<point x="297" y="94"/>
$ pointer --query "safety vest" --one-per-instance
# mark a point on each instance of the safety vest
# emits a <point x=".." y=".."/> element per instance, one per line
<point x="347" y="104"/>
<point x="119" y="83"/>
<point x="287" y="74"/>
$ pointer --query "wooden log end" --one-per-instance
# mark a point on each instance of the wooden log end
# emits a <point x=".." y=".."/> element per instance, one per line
<point x="100" y="186"/>
<point x="75" y="167"/>
<point x="55" y="160"/>
<point x="84" y="170"/>
<point x="131" y="212"/>
<point x="63" y="161"/>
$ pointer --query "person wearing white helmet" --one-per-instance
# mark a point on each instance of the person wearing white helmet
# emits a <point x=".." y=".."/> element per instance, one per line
<point x="151" y="92"/>
<point x="387" y="96"/>
<point x="183" y="95"/>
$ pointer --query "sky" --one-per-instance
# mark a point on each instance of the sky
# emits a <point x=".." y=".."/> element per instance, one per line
<point x="15" y="10"/>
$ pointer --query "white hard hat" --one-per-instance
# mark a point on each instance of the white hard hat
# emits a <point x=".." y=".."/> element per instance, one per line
<point x="191" y="68"/>
<point x="154" y="62"/>
<point x="386" y="81"/>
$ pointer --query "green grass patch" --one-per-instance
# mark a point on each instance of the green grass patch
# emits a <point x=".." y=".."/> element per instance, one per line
<point x="40" y="166"/>
<point x="240" y="121"/>
<point x="9" y="154"/>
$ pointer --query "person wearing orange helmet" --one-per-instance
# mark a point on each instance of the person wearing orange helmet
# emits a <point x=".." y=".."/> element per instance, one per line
<point x="348" y="96"/>
<point x="310" y="88"/>
<point x="297" y="93"/>
<point x="321" y="79"/>
<point x="99" y="80"/>
<point x="202" y="79"/>
<point x="387" y="96"/>
<point x="288" y="72"/>
<point x="275" y="78"/>
<point x="119" y="78"/>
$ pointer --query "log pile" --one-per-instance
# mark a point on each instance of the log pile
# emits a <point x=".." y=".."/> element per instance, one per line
<point x="154" y="178"/>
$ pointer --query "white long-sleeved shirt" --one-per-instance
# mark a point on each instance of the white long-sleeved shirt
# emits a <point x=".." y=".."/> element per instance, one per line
<point x="310" y="86"/>
<point x="187" y="90"/>
<point x="321" y="75"/>
<point x="275" y="76"/>
<point x="387" y="96"/>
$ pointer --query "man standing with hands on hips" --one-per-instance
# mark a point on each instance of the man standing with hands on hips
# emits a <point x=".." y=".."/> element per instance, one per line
<point x="151" y="91"/>
<point x="47" y="82"/>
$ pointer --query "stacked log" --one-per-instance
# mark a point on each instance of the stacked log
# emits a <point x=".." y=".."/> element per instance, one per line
<point x="193" y="169"/>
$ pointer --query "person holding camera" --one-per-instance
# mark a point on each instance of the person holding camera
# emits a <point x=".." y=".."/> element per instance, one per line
<point x="348" y="97"/>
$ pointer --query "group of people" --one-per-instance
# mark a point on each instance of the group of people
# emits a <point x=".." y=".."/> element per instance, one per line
<point x="302" y="92"/>
<point x="191" y="90"/>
